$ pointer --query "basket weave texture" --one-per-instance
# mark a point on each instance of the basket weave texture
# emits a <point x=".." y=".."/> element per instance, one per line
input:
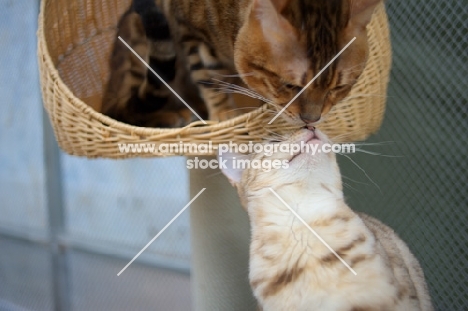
<point x="75" y="39"/>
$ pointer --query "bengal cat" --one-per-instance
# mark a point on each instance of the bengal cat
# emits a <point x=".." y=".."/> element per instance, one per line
<point x="290" y="268"/>
<point x="275" y="46"/>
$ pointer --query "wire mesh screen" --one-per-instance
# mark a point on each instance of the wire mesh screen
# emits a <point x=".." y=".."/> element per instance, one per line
<point x="419" y="185"/>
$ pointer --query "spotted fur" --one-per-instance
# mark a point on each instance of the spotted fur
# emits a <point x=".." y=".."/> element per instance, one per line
<point x="291" y="269"/>
<point x="275" y="46"/>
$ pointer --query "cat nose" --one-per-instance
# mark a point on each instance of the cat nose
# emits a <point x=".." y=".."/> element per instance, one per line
<point x="309" y="118"/>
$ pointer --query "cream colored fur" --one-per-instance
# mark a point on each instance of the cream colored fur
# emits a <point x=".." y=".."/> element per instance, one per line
<point x="291" y="269"/>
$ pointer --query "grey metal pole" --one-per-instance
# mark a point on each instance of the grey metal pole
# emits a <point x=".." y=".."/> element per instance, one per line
<point x="220" y="236"/>
<point x="55" y="207"/>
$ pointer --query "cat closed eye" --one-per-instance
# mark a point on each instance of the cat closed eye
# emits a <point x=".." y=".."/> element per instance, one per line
<point x="292" y="87"/>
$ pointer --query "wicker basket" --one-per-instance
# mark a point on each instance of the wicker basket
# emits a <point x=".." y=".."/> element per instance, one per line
<point x="74" y="45"/>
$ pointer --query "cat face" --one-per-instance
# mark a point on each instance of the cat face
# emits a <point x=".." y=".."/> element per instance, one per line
<point x="304" y="170"/>
<point x="284" y="44"/>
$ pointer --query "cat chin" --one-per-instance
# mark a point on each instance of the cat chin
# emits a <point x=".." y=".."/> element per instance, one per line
<point x="307" y="164"/>
<point x="312" y="137"/>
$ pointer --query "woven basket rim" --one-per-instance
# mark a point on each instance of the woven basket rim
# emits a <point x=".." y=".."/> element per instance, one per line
<point x="96" y="135"/>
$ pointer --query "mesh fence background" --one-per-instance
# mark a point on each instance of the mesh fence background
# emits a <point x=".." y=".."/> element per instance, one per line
<point x="422" y="187"/>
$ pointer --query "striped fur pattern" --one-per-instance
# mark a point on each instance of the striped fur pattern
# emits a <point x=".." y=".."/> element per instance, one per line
<point x="275" y="46"/>
<point x="291" y="269"/>
<point x="134" y="94"/>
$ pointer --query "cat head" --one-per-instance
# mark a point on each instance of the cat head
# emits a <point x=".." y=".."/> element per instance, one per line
<point x="284" y="44"/>
<point x="282" y="167"/>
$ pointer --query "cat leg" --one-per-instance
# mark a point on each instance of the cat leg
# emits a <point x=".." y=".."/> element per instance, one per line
<point x="163" y="60"/>
<point x="134" y="95"/>
<point x="127" y="73"/>
<point x="205" y="69"/>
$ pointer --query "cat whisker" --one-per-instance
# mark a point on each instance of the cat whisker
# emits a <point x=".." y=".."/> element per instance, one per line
<point x="275" y="135"/>
<point x="233" y="88"/>
<point x="230" y="91"/>
<point x="350" y="187"/>
<point x="375" y="144"/>
<point x="358" y="70"/>
<point x="207" y="83"/>
<point x="278" y="135"/>
<point x="337" y="138"/>
<point x="372" y="95"/>
<point x="248" y="91"/>
<point x="244" y="108"/>
<point x="239" y="75"/>
<point x="355" y="181"/>
<point x="293" y="219"/>
<point x="355" y="66"/>
<point x="251" y="94"/>
<point x="275" y="105"/>
<point x="362" y="144"/>
<point x="362" y="170"/>
<point x="378" y="154"/>
<point x="272" y="111"/>
<point x="347" y="99"/>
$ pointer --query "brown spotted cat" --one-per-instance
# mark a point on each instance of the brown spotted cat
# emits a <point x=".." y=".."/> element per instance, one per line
<point x="275" y="46"/>
<point x="291" y="269"/>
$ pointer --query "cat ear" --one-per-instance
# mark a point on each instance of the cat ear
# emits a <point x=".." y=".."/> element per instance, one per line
<point x="361" y="11"/>
<point x="229" y="167"/>
<point x="273" y="24"/>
